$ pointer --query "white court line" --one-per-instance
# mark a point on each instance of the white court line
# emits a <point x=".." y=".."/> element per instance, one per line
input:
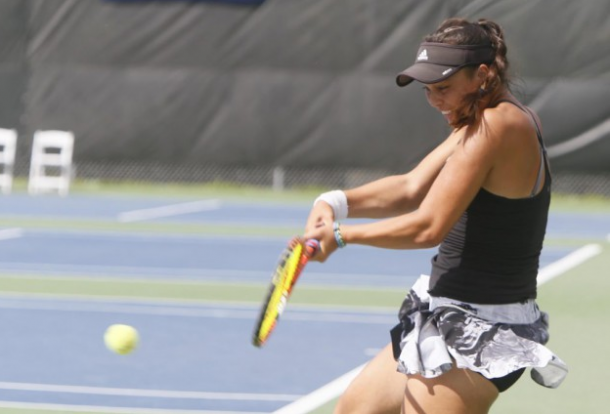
<point x="335" y="388"/>
<point x="7" y="234"/>
<point x="568" y="262"/>
<point x="320" y="396"/>
<point x="167" y="211"/>
<point x="65" y="408"/>
<point x="126" y="392"/>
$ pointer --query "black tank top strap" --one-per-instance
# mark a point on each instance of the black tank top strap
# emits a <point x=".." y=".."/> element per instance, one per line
<point x="543" y="156"/>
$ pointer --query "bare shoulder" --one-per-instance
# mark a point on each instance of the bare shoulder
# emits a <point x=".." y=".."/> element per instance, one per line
<point x="504" y="134"/>
<point x="508" y="124"/>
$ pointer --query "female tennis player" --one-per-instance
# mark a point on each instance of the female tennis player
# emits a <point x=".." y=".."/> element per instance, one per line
<point x="468" y="330"/>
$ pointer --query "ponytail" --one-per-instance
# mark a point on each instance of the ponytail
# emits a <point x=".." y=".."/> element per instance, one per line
<point x="497" y="74"/>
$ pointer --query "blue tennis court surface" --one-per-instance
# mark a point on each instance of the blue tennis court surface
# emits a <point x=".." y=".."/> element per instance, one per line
<point x="195" y="357"/>
<point x="192" y="357"/>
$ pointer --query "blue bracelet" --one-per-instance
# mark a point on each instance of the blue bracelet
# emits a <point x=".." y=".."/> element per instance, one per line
<point x="338" y="236"/>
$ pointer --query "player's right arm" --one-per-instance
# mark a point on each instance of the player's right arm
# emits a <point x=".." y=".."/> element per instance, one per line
<point x="399" y="194"/>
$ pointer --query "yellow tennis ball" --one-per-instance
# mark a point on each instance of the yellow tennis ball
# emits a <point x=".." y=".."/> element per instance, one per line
<point x="121" y="339"/>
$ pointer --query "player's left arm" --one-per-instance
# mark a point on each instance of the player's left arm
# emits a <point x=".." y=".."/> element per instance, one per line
<point x="463" y="175"/>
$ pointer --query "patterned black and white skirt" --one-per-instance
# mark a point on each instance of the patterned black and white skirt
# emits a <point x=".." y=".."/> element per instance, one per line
<point x="493" y="340"/>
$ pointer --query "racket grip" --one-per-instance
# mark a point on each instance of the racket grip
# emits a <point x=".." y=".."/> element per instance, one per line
<point x="311" y="247"/>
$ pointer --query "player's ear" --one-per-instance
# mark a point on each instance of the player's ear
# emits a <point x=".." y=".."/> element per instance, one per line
<point x="482" y="72"/>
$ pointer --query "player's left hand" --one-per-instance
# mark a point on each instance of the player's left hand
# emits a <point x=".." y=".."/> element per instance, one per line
<point x="323" y="232"/>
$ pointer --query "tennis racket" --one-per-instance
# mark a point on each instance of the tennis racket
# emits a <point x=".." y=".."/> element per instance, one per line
<point x="291" y="263"/>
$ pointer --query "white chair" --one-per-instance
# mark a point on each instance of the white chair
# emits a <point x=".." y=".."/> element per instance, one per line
<point x="51" y="150"/>
<point x="8" y="146"/>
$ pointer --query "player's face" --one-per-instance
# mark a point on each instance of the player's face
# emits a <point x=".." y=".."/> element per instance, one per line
<point x="448" y="96"/>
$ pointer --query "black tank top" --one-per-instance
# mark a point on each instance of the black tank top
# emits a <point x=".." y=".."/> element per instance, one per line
<point x="491" y="255"/>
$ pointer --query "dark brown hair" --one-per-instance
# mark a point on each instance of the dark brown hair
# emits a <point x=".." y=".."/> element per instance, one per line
<point x="458" y="31"/>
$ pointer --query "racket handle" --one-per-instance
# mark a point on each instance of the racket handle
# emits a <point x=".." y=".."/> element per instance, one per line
<point x="311" y="247"/>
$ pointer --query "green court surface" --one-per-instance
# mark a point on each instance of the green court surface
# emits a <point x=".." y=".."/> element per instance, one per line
<point x="577" y="300"/>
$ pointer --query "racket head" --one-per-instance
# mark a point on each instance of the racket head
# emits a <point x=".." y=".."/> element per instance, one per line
<point x="291" y="263"/>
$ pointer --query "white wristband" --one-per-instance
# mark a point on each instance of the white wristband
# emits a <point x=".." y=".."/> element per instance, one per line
<point x="338" y="202"/>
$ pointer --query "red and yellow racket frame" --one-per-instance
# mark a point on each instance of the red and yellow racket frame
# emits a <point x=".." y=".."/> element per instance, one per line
<point x="291" y="263"/>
